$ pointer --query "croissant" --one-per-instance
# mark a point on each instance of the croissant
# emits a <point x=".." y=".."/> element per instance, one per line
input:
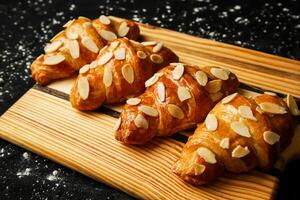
<point x="119" y="71"/>
<point x="177" y="98"/>
<point x="238" y="135"/>
<point x="77" y="45"/>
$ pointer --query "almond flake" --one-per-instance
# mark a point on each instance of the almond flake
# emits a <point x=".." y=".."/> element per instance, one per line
<point x="175" y="111"/>
<point x="201" y="78"/>
<point x="213" y="86"/>
<point x="271" y="137"/>
<point x="105" y="58"/>
<point x="87" y="24"/>
<point x="151" y="80"/>
<point x="159" y="74"/>
<point x="293" y="107"/>
<point x="141" y="54"/>
<point x="133" y="101"/>
<point x="207" y="155"/>
<point x="72" y="35"/>
<point x="239" y="152"/>
<point x="240" y="128"/>
<point x="68" y="23"/>
<point x="117" y="124"/>
<point x="231" y="109"/>
<point x="120" y="53"/>
<point x="93" y="65"/>
<point x="161" y="91"/>
<point x="104" y="20"/>
<point x="123" y="29"/>
<point x="107" y="77"/>
<point x="89" y="44"/>
<point x="128" y="73"/>
<point x="270" y="93"/>
<point x="216" y="96"/>
<point x="107" y="35"/>
<point x="229" y="98"/>
<point x="157" y="59"/>
<point x="183" y="94"/>
<point x="219" y="73"/>
<point x="74" y="50"/>
<point x="83" y="87"/>
<point x="114" y="44"/>
<point x="272" y="108"/>
<point x="141" y="122"/>
<point x="246" y="112"/>
<point x="148" y="110"/>
<point x="54" y="60"/>
<point x="149" y="43"/>
<point x="211" y="122"/>
<point x="178" y="72"/>
<point x="258" y="109"/>
<point x="84" y="69"/>
<point x="199" y="169"/>
<point x="53" y="46"/>
<point x="157" y="47"/>
<point x="224" y="143"/>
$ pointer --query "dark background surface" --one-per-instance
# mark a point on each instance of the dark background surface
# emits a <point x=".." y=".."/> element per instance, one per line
<point x="272" y="27"/>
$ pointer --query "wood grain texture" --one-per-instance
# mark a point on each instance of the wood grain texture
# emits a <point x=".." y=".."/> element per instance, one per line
<point x="47" y="125"/>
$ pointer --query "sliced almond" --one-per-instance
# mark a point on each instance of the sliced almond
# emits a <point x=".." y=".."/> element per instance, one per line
<point x="207" y="155"/>
<point x="107" y="35"/>
<point x="53" y="46"/>
<point x="117" y="124"/>
<point x="53" y="60"/>
<point x="159" y="74"/>
<point x="271" y="137"/>
<point x="270" y="93"/>
<point x="214" y="86"/>
<point x="128" y="73"/>
<point x="229" y="98"/>
<point x="258" y="109"/>
<point x="157" y="47"/>
<point x="240" y="128"/>
<point x="272" y="108"/>
<point x="84" y="69"/>
<point x="149" y="43"/>
<point x="107" y="77"/>
<point x="105" y="58"/>
<point x="141" y="122"/>
<point x="141" y="54"/>
<point x="151" y="80"/>
<point x="224" y="143"/>
<point x="175" y="111"/>
<point x="72" y="35"/>
<point x="148" y="110"/>
<point x="74" y="50"/>
<point x="246" y="112"/>
<point x="293" y="107"/>
<point x="199" y="169"/>
<point x="219" y="73"/>
<point x="133" y="101"/>
<point x="183" y="94"/>
<point x="83" y="87"/>
<point x="87" y="24"/>
<point x="104" y="20"/>
<point x="93" y="64"/>
<point x="120" y="53"/>
<point x="211" y="122"/>
<point x="239" y="152"/>
<point x="201" y="78"/>
<point x="68" y="23"/>
<point x="178" y="72"/>
<point x="89" y="44"/>
<point x="231" y="109"/>
<point x="161" y="91"/>
<point x="157" y="59"/>
<point x="114" y="44"/>
<point x="216" y="96"/>
<point x="123" y="29"/>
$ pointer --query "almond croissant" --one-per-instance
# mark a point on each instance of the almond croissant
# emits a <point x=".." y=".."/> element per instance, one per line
<point x="119" y="71"/>
<point x="238" y="135"/>
<point x="177" y="98"/>
<point x="78" y="45"/>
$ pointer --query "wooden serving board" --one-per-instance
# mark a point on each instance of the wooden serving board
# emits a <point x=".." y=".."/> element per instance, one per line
<point x="43" y="121"/>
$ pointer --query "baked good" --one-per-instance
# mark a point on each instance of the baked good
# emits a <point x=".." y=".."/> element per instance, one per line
<point x="77" y="45"/>
<point x="177" y="98"/>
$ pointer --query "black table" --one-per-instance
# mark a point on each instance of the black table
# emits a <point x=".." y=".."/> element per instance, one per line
<point x="27" y="25"/>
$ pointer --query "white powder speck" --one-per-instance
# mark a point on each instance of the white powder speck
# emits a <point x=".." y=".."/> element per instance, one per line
<point x="237" y="7"/>
<point x="26" y="172"/>
<point x="53" y="176"/>
<point x="25" y="155"/>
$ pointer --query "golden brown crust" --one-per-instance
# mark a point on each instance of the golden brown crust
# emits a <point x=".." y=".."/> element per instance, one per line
<point x="119" y="88"/>
<point x="43" y="72"/>
<point x="174" y="113"/>
<point x="261" y="153"/>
